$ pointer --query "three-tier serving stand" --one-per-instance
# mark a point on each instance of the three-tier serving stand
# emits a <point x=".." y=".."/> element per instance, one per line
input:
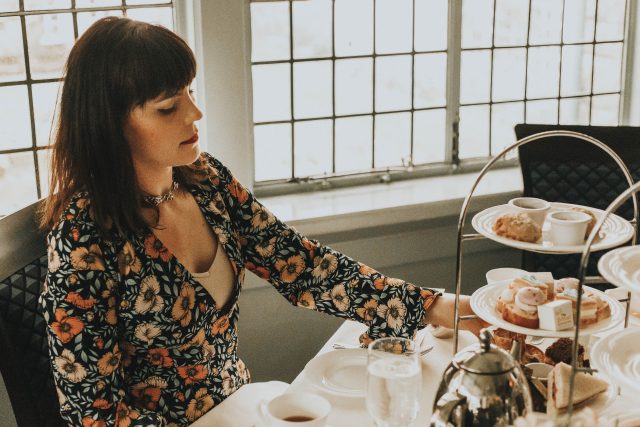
<point x="586" y="248"/>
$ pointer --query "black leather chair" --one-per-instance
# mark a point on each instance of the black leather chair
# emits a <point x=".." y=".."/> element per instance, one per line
<point x="562" y="169"/>
<point x="24" y="356"/>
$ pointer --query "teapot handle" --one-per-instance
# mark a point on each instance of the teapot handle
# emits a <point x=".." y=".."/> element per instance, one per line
<point x="445" y="408"/>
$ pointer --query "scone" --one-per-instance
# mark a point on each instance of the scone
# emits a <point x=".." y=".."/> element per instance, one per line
<point x="517" y="226"/>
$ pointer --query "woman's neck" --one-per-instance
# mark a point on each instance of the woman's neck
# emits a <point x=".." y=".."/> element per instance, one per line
<point x="156" y="183"/>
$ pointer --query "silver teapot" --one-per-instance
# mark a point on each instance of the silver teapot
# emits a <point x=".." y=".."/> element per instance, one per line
<point x="482" y="386"/>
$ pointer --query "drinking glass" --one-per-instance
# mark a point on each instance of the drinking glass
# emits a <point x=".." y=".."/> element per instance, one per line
<point x="394" y="380"/>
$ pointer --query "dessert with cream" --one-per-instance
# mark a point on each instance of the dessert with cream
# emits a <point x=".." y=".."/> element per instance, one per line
<point x="540" y="302"/>
<point x="524" y="309"/>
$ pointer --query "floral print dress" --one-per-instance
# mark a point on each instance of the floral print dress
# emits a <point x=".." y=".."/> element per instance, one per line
<point x="135" y="340"/>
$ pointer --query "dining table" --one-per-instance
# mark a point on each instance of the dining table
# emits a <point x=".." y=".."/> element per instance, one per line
<point x="243" y="408"/>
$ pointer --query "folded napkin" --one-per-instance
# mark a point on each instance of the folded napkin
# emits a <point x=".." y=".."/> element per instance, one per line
<point x="241" y="409"/>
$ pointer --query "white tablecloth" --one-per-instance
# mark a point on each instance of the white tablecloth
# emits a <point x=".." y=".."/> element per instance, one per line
<point x="241" y="408"/>
<point x="349" y="412"/>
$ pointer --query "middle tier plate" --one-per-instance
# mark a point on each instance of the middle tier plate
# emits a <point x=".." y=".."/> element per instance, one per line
<point x="615" y="231"/>
<point x="483" y="303"/>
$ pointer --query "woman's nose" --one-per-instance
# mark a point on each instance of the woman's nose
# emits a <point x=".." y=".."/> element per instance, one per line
<point x="194" y="114"/>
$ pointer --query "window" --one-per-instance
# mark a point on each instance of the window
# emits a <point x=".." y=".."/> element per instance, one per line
<point x="36" y="36"/>
<point x="356" y="88"/>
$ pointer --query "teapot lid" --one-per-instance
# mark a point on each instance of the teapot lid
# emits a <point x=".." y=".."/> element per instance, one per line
<point x="486" y="358"/>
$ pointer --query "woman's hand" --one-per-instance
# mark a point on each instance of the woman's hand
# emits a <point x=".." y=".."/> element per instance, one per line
<point x="442" y="313"/>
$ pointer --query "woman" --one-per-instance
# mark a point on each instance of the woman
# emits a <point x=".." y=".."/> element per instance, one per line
<point x="150" y="239"/>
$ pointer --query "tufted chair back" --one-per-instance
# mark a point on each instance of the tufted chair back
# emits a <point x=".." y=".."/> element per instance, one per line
<point x="563" y="169"/>
<point x="24" y="355"/>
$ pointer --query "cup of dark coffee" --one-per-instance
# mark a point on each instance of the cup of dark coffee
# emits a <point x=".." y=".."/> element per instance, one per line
<point x="296" y="409"/>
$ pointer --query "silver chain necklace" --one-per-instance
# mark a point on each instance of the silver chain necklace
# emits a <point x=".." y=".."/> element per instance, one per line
<point x="156" y="200"/>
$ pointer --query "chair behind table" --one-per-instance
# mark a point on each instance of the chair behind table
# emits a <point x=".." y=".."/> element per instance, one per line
<point x="564" y="169"/>
<point x="24" y="356"/>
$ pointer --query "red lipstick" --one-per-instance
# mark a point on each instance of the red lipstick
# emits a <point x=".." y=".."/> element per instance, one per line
<point x="191" y="140"/>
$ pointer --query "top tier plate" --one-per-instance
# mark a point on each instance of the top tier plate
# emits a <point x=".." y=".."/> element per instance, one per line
<point x="622" y="267"/>
<point x="615" y="231"/>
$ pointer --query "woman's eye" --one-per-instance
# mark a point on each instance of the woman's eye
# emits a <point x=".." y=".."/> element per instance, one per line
<point x="167" y="111"/>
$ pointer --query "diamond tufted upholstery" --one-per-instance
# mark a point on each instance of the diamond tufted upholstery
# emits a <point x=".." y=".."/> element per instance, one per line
<point x="24" y="357"/>
<point x="562" y="169"/>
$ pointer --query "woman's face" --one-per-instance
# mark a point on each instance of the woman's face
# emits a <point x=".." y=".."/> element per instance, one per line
<point x="162" y="132"/>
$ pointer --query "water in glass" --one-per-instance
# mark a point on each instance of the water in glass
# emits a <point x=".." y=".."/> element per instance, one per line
<point x="393" y="382"/>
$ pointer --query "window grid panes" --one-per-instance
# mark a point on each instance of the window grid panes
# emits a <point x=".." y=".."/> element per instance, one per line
<point x="372" y="78"/>
<point x="537" y="61"/>
<point x="347" y="81"/>
<point x="36" y="36"/>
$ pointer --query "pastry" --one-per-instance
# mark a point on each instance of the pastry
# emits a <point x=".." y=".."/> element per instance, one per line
<point x="524" y="310"/>
<point x="519" y="303"/>
<point x="585" y="387"/>
<point x="506" y="297"/>
<point x="603" y="309"/>
<point x="518" y="226"/>
<point x="567" y="283"/>
<point x="547" y="279"/>
<point x="556" y="315"/>
<point x="590" y="306"/>
<point x="561" y="351"/>
<point x="532" y="354"/>
<point x="529" y="280"/>
<point x="592" y="222"/>
<point x="504" y="339"/>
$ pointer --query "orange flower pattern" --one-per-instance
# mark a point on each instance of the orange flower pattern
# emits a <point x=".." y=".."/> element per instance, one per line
<point x="135" y="340"/>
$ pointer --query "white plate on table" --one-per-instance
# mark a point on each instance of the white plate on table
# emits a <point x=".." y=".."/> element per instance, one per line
<point x="617" y="358"/>
<point x="628" y="418"/>
<point x="339" y="372"/>
<point x="615" y="231"/>
<point x="621" y="267"/>
<point x="483" y="303"/>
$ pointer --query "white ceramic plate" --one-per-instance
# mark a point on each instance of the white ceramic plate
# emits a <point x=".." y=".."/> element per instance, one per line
<point x="628" y="418"/>
<point x="483" y="303"/>
<point x="339" y="372"/>
<point x="617" y="358"/>
<point x="622" y="267"/>
<point x="615" y="231"/>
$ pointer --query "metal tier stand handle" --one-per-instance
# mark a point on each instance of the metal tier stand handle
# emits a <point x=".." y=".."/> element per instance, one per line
<point x="584" y="260"/>
<point x="485" y="169"/>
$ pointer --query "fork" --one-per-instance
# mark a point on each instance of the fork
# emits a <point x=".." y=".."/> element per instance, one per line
<point x="340" y="346"/>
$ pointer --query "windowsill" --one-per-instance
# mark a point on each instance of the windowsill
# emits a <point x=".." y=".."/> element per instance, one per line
<point x="354" y="208"/>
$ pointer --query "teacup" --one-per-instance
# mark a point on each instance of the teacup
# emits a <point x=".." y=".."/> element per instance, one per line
<point x="568" y="227"/>
<point x="536" y="208"/>
<point x="296" y="409"/>
<point x="540" y="371"/>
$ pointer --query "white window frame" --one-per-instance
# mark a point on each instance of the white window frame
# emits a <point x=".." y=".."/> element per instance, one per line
<point x="225" y="85"/>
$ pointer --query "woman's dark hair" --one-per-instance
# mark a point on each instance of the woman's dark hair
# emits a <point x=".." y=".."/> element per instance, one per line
<point x="115" y="66"/>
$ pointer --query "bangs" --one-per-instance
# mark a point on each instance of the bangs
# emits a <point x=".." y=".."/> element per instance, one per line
<point x="160" y="62"/>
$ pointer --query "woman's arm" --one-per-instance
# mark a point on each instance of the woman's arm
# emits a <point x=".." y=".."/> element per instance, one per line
<point x="315" y="276"/>
<point x="80" y="308"/>
<point x="443" y="310"/>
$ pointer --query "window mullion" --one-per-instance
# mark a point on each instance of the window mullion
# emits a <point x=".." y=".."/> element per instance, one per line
<point x="628" y="68"/>
<point x="454" y="49"/>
